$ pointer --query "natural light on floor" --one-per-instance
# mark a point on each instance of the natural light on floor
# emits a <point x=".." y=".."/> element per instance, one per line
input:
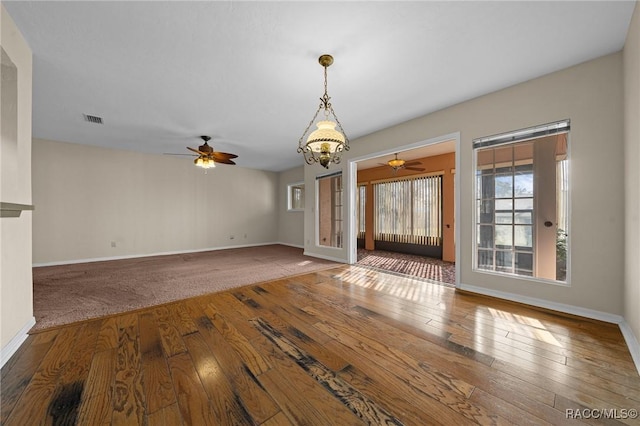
<point x="531" y="327"/>
<point x="410" y="291"/>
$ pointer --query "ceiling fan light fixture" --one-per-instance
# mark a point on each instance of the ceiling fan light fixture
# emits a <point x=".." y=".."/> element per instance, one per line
<point x="396" y="163"/>
<point x="325" y="144"/>
<point x="204" y="162"/>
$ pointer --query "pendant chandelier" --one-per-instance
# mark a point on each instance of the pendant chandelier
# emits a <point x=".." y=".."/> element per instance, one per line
<point x="325" y="144"/>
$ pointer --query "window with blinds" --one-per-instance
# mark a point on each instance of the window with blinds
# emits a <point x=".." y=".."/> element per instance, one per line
<point x="409" y="210"/>
<point x="361" y="202"/>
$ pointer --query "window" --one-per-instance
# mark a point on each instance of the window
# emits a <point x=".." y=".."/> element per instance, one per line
<point x="521" y="212"/>
<point x="361" y="202"/>
<point x="295" y="196"/>
<point x="330" y="210"/>
<point x="409" y="210"/>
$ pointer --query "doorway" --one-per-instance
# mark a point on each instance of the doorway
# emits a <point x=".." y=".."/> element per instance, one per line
<point x="402" y="213"/>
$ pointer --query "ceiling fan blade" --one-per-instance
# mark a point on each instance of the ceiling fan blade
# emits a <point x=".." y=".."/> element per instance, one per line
<point x="218" y="154"/>
<point x="171" y="153"/>
<point x="413" y="163"/>
<point x="416" y="169"/>
<point x="223" y="161"/>
<point x="196" y="151"/>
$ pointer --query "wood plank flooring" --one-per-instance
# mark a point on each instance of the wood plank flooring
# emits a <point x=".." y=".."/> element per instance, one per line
<point x="345" y="346"/>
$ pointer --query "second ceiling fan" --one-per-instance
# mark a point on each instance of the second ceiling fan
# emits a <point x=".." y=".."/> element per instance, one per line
<point x="398" y="163"/>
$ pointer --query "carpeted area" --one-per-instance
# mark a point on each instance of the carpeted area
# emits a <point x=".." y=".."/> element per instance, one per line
<point x="408" y="264"/>
<point x="68" y="293"/>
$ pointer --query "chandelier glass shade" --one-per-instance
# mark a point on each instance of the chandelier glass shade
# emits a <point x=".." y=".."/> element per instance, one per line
<point x="325" y="144"/>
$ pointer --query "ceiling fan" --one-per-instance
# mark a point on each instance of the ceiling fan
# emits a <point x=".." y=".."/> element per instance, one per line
<point x="207" y="157"/>
<point x="397" y="164"/>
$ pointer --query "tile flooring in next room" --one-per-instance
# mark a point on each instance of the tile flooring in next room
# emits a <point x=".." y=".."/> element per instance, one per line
<point x="409" y="264"/>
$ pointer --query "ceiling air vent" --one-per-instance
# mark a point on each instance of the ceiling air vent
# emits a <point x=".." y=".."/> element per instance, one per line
<point x="92" y="119"/>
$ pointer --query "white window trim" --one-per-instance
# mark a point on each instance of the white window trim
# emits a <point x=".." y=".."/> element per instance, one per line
<point x="289" y="200"/>
<point x="562" y="126"/>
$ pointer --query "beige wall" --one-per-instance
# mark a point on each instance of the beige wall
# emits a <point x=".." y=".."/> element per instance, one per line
<point x="88" y="198"/>
<point x="631" y="56"/>
<point x="16" y="307"/>
<point x="589" y="94"/>
<point x="290" y="223"/>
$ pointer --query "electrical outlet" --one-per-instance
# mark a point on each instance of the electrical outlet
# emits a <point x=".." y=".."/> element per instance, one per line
<point x="113" y="243"/>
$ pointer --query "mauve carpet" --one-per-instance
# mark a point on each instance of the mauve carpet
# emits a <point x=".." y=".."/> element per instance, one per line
<point x="68" y="293"/>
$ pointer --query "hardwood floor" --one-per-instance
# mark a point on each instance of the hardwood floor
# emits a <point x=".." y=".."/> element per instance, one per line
<point x="339" y="347"/>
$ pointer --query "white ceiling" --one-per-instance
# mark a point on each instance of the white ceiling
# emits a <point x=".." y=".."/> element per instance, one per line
<point x="246" y="73"/>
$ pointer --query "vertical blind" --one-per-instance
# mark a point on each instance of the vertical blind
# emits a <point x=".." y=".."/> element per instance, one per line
<point x="361" y="202"/>
<point x="409" y="210"/>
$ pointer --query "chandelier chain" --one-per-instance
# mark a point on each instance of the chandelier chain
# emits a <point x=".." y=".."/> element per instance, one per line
<point x="324" y="145"/>
<point x="325" y="82"/>
<point x="324" y="100"/>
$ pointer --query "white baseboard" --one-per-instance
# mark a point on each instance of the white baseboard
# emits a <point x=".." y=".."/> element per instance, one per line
<point x="13" y="345"/>
<point x="133" y="256"/>
<point x="632" y="343"/>
<point x="629" y="337"/>
<point x="322" y="256"/>
<point x="541" y="303"/>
